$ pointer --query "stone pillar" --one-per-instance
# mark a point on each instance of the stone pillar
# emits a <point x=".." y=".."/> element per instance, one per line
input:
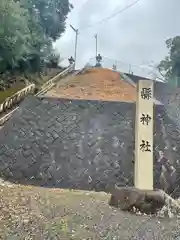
<point x="143" y="175"/>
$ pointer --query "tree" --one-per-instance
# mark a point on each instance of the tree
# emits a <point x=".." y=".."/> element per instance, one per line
<point x="14" y="34"/>
<point x="170" y="66"/>
<point x="51" y="15"/>
<point x="47" y="23"/>
<point x="27" y="30"/>
<point x="52" y="59"/>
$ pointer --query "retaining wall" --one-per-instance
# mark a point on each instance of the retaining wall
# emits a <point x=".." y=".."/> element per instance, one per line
<point x="78" y="144"/>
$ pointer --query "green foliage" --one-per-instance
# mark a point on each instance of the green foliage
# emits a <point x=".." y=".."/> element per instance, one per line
<point x="170" y="66"/>
<point x="14" y="34"/>
<point x="53" y="60"/>
<point x="50" y="14"/>
<point x="27" y="30"/>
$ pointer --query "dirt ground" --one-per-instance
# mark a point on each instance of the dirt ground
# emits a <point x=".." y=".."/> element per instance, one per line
<point x="35" y="213"/>
<point x="95" y="84"/>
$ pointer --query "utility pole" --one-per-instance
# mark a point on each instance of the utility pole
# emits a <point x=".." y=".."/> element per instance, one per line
<point x="96" y="43"/>
<point x="75" y="49"/>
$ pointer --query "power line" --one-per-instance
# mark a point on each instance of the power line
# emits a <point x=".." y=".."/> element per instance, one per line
<point x="111" y="16"/>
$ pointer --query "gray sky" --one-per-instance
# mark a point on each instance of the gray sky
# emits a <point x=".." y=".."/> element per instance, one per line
<point x="136" y="36"/>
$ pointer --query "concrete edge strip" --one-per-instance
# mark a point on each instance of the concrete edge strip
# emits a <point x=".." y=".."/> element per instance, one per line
<point x="126" y="78"/>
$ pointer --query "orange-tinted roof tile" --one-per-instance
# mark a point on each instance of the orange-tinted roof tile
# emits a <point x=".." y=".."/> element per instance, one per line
<point x="95" y="84"/>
